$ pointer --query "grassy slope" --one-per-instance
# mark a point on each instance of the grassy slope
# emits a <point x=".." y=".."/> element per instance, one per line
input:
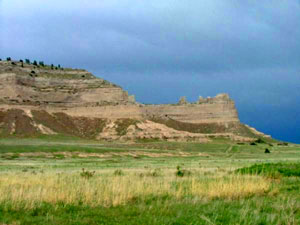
<point x="280" y="205"/>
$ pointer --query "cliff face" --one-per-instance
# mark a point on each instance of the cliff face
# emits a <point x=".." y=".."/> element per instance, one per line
<point x="32" y="85"/>
<point x="41" y="99"/>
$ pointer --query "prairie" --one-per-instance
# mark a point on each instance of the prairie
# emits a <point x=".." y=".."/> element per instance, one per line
<point x="62" y="180"/>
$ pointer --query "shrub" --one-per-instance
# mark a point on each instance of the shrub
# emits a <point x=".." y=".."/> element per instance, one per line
<point x="118" y="172"/>
<point x="181" y="172"/>
<point x="267" y="151"/>
<point x="260" y="141"/>
<point x="87" y="174"/>
<point x="253" y="143"/>
<point x="34" y="63"/>
<point x="21" y="61"/>
<point x="41" y="63"/>
<point x="8" y="59"/>
<point x="27" y="61"/>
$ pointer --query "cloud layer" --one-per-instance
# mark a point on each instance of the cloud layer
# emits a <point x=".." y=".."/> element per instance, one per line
<point x="161" y="50"/>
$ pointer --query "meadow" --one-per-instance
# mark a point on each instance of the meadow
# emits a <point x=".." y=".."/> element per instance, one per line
<point x="63" y="180"/>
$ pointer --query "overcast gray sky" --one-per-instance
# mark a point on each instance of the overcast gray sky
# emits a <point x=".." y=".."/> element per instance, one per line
<point x="161" y="50"/>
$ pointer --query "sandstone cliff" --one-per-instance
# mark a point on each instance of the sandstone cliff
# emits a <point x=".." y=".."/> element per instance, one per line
<point x="43" y="100"/>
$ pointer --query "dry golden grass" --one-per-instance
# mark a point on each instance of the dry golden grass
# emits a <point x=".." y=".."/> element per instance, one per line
<point x="30" y="190"/>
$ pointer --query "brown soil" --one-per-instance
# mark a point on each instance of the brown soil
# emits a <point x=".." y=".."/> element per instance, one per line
<point x="16" y="122"/>
<point x="65" y="124"/>
<point x="206" y="128"/>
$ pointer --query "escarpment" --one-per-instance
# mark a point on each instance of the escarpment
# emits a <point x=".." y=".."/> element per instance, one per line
<point x="42" y="86"/>
<point x="37" y="100"/>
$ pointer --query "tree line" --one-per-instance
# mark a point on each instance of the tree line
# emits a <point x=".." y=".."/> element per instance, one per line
<point x="35" y="63"/>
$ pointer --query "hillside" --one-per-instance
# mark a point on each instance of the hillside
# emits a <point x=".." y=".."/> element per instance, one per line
<point x="41" y="99"/>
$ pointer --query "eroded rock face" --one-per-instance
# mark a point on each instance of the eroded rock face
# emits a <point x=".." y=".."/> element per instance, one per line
<point x="30" y="85"/>
<point x="50" y="101"/>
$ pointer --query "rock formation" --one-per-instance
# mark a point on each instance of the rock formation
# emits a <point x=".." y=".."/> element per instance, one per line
<point x="38" y="100"/>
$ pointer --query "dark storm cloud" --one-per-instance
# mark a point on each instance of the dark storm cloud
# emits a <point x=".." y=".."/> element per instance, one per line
<point x="249" y="48"/>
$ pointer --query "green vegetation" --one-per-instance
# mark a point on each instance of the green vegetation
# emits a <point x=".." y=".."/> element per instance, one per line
<point x="123" y="124"/>
<point x="273" y="169"/>
<point x="66" y="180"/>
<point x="41" y="63"/>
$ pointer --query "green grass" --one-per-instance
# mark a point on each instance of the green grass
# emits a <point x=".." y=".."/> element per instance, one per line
<point x="155" y="159"/>
<point x="154" y="211"/>
<point x="271" y="169"/>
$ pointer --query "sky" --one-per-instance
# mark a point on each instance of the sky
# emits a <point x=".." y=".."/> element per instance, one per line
<point x="162" y="50"/>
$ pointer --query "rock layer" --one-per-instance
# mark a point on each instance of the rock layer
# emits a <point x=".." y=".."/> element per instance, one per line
<point x="44" y="100"/>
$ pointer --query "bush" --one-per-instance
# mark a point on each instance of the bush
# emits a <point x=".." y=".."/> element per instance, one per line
<point x="8" y="59"/>
<point x="34" y="63"/>
<point x="27" y="61"/>
<point x="253" y="143"/>
<point x="260" y="141"/>
<point x="41" y="63"/>
<point x="118" y="172"/>
<point x="87" y="174"/>
<point x="181" y="172"/>
<point x="267" y="151"/>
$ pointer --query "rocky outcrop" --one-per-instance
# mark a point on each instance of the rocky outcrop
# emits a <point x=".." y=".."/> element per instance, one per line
<point x="48" y="100"/>
<point x="43" y="86"/>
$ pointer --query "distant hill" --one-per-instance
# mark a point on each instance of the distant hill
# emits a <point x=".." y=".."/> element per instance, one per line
<point x="42" y="99"/>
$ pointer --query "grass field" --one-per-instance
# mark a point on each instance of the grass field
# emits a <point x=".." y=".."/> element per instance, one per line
<point x="62" y="180"/>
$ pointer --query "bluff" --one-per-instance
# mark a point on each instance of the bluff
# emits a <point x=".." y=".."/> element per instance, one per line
<point x="41" y="99"/>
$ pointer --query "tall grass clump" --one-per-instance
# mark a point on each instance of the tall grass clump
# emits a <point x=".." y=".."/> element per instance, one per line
<point x="31" y="190"/>
<point x="272" y="169"/>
